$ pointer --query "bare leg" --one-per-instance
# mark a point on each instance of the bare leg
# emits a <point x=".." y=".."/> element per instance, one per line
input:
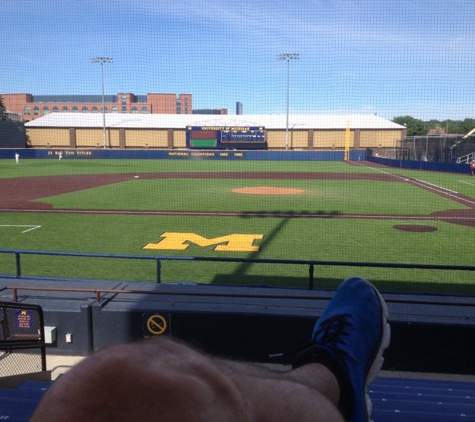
<point x="309" y="393"/>
<point x="167" y="381"/>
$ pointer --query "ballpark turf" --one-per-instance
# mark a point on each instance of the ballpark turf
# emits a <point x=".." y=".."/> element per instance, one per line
<point x="347" y="214"/>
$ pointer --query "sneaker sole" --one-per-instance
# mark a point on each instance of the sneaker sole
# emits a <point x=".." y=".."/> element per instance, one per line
<point x="378" y="361"/>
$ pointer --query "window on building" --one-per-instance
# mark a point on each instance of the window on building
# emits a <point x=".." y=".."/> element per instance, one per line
<point x="178" y="106"/>
<point x="55" y="109"/>
<point x="115" y="110"/>
<point x="94" y="109"/>
<point x="75" y="109"/>
<point x="45" y="110"/>
<point x="85" y="110"/>
<point x="134" y="110"/>
<point x="105" y="110"/>
<point x="27" y="111"/>
<point x="65" y="109"/>
<point x="144" y="110"/>
<point x="186" y="105"/>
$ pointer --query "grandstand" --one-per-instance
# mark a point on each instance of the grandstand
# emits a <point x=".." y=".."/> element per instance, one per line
<point x="81" y="317"/>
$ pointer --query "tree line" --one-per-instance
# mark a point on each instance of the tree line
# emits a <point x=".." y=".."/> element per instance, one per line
<point x="416" y="127"/>
<point x="3" y="112"/>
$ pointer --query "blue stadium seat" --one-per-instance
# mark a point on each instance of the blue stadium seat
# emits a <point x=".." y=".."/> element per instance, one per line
<point x="35" y="385"/>
<point x="404" y="399"/>
<point x="20" y="403"/>
<point x="394" y="400"/>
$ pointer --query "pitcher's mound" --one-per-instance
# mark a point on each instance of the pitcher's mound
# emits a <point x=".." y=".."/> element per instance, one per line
<point x="268" y="190"/>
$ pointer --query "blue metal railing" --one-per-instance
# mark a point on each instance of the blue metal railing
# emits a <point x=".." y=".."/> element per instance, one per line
<point x="159" y="258"/>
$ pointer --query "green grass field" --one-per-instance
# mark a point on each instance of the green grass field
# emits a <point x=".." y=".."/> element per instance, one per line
<point x="335" y="239"/>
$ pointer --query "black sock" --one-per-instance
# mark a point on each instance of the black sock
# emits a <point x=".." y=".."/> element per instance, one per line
<point x="313" y="354"/>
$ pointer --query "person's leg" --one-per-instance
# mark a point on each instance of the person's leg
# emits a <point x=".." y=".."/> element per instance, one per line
<point x="349" y="339"/>
<point x="310" y="393"/>
<point x="168" y="381"/>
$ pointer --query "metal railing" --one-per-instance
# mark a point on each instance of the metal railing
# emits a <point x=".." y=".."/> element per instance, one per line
<point x="311" y="264"/>
<point x="466" y="158"/>
<point x="98" y="292"/>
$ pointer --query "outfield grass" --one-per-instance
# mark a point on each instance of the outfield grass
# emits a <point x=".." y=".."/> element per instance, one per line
<point x="45" y="167"/>
<point x="51" y="167"/>
<point x="337" y="239"/>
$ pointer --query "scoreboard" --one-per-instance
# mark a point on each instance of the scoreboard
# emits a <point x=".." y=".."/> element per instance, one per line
<point x="225" y="137"/>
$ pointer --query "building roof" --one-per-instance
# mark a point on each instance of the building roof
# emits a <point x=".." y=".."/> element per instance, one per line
<point x="181" y="121"/>
<point x="13" y="116"/>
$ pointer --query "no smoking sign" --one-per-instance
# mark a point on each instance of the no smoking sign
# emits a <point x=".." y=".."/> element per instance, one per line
<point x="155" y="324"/>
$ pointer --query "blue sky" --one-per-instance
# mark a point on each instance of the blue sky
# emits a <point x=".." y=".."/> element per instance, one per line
<point x="390" y="57"/>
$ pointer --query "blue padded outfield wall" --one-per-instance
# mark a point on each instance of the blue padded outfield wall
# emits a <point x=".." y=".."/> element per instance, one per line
<point x="355" y="155"/>
<point x="421" y="165"/>
<point x="183" y="154"/>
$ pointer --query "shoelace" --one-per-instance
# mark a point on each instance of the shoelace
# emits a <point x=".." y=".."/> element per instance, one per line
<point x="331" y="331"/>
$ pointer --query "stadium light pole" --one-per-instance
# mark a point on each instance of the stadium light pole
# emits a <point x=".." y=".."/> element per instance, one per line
<point x="101" y="60"/>
<point x="288" y="57"/>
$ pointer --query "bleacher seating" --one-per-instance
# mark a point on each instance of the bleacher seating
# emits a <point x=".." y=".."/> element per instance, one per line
<point x="421" y="400"/>
<point x="19" y="404"/>
<point x="394" y="400"/>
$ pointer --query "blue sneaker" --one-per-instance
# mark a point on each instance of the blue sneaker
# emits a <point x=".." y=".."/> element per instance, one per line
<point x="349" y="338"/>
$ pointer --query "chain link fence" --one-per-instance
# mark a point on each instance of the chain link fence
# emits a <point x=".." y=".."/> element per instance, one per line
<point x="442" y="149"/>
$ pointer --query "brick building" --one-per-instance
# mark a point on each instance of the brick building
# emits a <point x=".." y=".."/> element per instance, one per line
<point x="30" y="107"/>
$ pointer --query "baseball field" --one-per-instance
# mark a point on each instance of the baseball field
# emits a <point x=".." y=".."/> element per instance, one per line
<point x="330" y="211"/>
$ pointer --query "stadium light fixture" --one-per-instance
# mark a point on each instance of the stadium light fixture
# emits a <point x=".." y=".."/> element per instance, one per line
<point x="101" y="60"/>
<point x="288" y="57"/>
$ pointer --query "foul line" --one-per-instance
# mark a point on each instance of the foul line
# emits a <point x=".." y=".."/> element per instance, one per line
<point x="379" y="170"/>
<point x="466" y="183"/>
<point x="440" y="190"/>
<point x="437" y="189"/>
<point x="436" y="186"/>
<point x="18" y="225"/>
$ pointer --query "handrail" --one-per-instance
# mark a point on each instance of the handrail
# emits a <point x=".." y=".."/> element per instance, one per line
<point x="466" y="158"/>
<point x="227" y="294"/>
<point x="99" y="291"/>
<point x="310" y="263"/>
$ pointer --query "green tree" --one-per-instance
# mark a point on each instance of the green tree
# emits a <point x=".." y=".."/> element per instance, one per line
<point x="3" y="111"/>
<point x="415" y="127"/>
<point x="458" y="127"/>
<point x="467" y="125"/>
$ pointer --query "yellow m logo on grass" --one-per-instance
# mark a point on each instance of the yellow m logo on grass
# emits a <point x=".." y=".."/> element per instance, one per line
<point x="229" y="243"/>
